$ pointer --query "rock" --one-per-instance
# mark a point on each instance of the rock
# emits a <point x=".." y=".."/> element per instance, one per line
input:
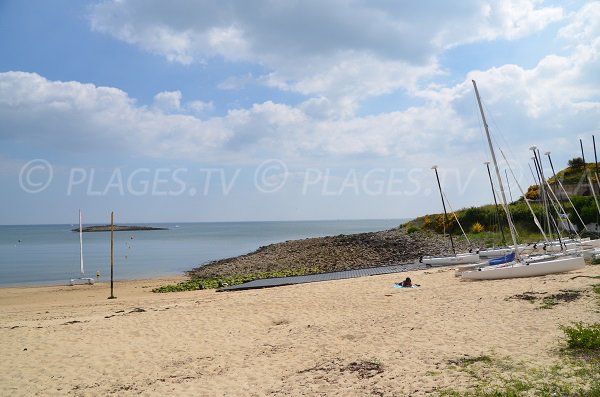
<point x="333" y="253"/>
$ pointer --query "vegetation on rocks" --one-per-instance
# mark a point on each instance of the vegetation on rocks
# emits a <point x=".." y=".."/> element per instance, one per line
<point x="319" y="255"/>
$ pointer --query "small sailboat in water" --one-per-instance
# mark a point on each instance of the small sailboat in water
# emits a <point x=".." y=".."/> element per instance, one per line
<point x="82" y="279"/>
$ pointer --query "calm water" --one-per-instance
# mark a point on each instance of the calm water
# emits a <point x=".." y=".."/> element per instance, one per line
<point x="49" y="254"/>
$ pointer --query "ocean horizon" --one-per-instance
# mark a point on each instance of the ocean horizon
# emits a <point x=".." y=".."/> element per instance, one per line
<point x="49" y="254"/>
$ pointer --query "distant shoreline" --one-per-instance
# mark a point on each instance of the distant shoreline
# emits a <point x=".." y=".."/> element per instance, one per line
<point x="117" y="228"/>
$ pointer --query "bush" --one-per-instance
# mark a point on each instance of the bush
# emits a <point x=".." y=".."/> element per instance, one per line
<point x="582" y="336"/>
<point x="586" y="207"/>
<point x="533" y="192"/>
<point x="412" y="229"/>
<point x="477" y="227"/>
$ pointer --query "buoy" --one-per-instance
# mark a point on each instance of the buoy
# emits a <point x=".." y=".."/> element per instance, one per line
<point x="98" y="274"/>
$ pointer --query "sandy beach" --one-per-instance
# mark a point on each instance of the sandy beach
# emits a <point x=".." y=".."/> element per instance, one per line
<point x="356" y="337"/>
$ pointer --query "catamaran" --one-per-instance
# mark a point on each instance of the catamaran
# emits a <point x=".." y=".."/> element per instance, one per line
<point x="82" y="279"/>
<point x="456" y="259"/>
<point x="519" y="267"/>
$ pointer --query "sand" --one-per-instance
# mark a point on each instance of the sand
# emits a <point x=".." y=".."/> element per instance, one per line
<point x="357" y="337"/>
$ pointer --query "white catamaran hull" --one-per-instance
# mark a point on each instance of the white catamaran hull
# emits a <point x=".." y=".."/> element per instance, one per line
<point x="518" y="269"/>
<point x="495" y="252"/>
<point x="450" y="260"/>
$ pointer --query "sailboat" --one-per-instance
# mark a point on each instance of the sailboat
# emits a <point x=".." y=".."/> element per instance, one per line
<point x="519" y="267"/>
<point x="456" y="259"/>
<point x="82" y="279"/>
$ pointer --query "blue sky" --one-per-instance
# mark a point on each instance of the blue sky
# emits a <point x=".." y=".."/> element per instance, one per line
<point x="233" y="110"/>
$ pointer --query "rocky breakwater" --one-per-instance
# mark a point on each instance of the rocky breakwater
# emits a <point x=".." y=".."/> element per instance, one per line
<point x="333" y="253"/>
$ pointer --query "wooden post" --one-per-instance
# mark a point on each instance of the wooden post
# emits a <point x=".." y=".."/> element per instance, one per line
<point x="112" y="253"/>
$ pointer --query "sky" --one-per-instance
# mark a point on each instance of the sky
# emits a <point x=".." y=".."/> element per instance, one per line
<point x="201" y="111"/>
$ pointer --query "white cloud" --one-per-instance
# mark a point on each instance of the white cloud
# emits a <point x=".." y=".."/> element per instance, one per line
<point x="201" y="107"/>
<point x="584" y="25"/>
<point x="344" y="50"/>
<point x="508" y="20"/>
<point x="168" y="101"/>
<point x="72" y="116"/>
<point x="556" y="97"/>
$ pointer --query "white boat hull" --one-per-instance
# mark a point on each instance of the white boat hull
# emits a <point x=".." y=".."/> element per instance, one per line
<point x="517" y="269"/>
<point x="568" y="246"/>
<point x="83" y="280"/>
<point x="495" y="252"/>
<point x="459" y="259"/>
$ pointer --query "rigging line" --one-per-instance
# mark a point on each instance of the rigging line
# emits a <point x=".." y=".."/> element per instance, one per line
<point x="457" y="221"/>
<point x="535" y="219"/>
<point x="572" y="205"/>
<point x="535" y="181"/>
<point x="554" y="200"/>
<point x="481" y="129"/>
<point x="500" y="133"/>
<point x="585" y="172"/>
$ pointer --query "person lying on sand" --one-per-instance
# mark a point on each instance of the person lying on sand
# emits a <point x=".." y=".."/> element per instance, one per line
<point x="406" y="283"/>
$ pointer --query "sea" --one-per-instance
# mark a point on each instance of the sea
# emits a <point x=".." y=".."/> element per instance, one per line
<point x="49" y="254"/>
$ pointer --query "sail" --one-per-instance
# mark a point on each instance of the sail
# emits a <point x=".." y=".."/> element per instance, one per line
<point x="80" y="242"/>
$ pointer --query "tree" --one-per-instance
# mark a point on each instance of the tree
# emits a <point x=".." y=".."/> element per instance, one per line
<point x="576" y="163"/>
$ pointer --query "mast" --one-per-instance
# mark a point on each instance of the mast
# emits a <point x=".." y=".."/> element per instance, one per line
<point x="596" y="162"/>
<point x="585" y="173"/>
<point x="443" y="205"/>
<point x="595" y="155"/>
<point x="487" y="164"/>
<point x="565" y="192"/>
<point x="535" y="181"/>
<point x="80" y="243"/>
<point x="538" y="168"/>
<point x="556" y="195"/>
<point x="535" y="219"/>
<point x="503" y="195"/>
<point x="508" y="185"/>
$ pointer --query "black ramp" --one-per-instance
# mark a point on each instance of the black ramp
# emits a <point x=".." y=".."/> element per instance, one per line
<point x="311" y="278"/>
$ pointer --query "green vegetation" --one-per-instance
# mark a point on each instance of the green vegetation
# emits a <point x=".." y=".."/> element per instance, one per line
<point x="581" y="336"/>
<point x="211" y="283"/>
<point x="500" y="377"/>
<point x="412" y="229"/>
<point x="577" y="375"/>
<point x="576" y="163"/>
<point x="548" y="303"/>
<point x="481" y="222"/>
<point x="574" y="173"/>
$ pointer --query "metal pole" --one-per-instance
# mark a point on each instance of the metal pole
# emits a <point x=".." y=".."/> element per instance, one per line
<point x="547" y="199"/>
<point x="596" y="162"/>
<point x="502" y="194"/>
<point x="535" y="180"/>
<point x="585" y="173"/>
<point x="595" y="155"/>
<point x="487" y="164"/>
<point x="542" y="188"/>
<point x="112" y="253"/>
<point x="443" y="205"/>
<point x="508" y="185"/>
<point x="556" y="190"/>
